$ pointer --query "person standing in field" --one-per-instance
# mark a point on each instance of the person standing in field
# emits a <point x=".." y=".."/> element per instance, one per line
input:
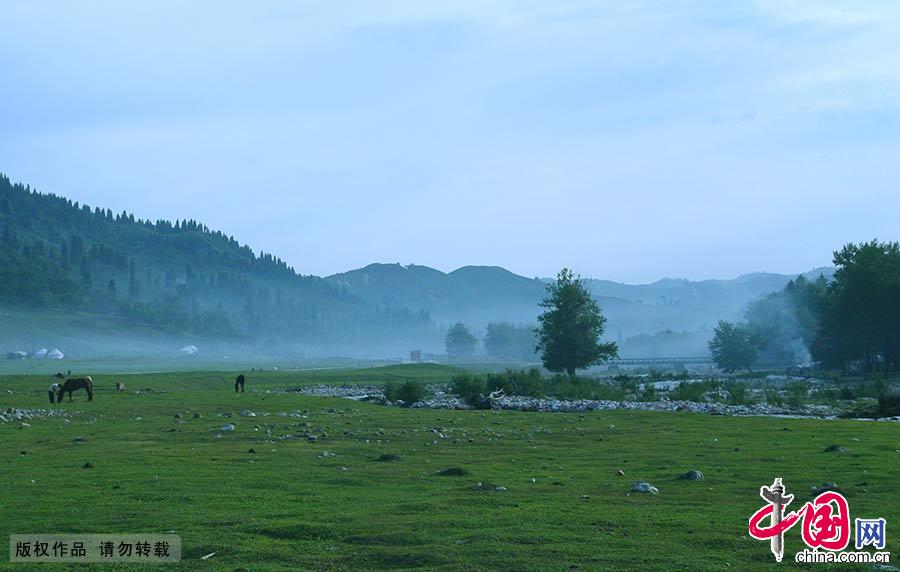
<point x="52" y="392"/>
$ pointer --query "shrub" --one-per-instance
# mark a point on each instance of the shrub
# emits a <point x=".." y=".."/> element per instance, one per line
<point x="847" y="392"/>
<point x="528" y="383"/>
<point x="773" y="397"/>
<point x="737" y="392"/>
<point x="693" y="391"/>
<point x="470" y="388"/>
<point x="408" y="392"/>
<point x="888" y="405"/>
<point x="797" y="392"/>
<point x="649" y="393"/>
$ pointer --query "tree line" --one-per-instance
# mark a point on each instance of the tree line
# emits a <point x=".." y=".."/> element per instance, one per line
<point x="851" y="322"/>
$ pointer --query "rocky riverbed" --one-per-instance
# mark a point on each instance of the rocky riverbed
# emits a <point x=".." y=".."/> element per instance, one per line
<point x="11" y="414"/>
<point x="441" y="399"/>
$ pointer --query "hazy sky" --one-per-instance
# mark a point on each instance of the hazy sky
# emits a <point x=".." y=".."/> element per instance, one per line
<point x="628" y="140"/>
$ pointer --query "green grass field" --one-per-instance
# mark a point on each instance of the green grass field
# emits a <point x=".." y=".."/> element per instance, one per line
<point x="285" y="507"/>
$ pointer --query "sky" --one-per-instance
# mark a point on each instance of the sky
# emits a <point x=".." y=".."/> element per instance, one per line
<point x="628" y="140"/>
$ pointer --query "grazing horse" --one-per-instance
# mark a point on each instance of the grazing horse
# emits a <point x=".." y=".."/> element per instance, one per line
<point x="239" y="381"/>
<point x="120" y="387"/>
<point x="74" y="384"/>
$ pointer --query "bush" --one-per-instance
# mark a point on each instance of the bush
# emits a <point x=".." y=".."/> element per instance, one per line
<point x="773" y="397"/>
<point x="737" y="392"/>
<point x="888" y="405"/>
<point x="528" y="383"/>
<point x="693" y="391"/>
<point x="649" y="393"/>
<point x="408" y="392"/>
<point x="797" y="392"/>
<point x="470" y="388"/>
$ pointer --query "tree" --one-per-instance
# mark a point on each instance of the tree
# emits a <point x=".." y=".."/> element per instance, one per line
<point x="505" y="340"/>
<point x="733" y="347"/>
<point x="460" y="341"/>
<point x="861" y="312"/>
<point x="571" y="326"/>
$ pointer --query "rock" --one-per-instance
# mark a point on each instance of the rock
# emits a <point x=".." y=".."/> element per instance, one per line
<point x="23" y="452"/>
<point x="644" y="487"/>
<point x="692" y="475"/>
<point x="178" y="416"/>
<point x="251" y="450"/>
<point x="325" y="455"/>
<point x="389" y="458"/>
<point x="479" y="486"/>
<point x="247" y="413"/>
<point x="25" y="426"/>
<point x="620" y="472"/>
<point x="826" y="487"/>
<point x="228" y="427"/>
<point x="197" y="416"/>
<point x="453" y="472"/>
<point x="585" y="497"/>
<point x="836" y="449"/>
<point x="88" y="465"/>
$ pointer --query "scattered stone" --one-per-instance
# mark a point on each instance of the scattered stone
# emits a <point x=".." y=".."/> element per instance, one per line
<point x="25" y="426"/>
<point x="178" y="416"/>
<point x="251" y="451"/>
<point x="828" y="486"/>
<point x="453" y="472"/>
<point x="88" y="465"/>
<point x="197" y="416"/>
<point x="247" y="413"/>
<point x="479" y="486"/>
<point x="836" y="449"/>
<point x="585" y="497"/>
<point x="620" y="472"/>
<point x="23" y="452"/>
<point x="389" y="458"/>
<point x="325" y="455"/>
<point x="692" y="475"/>
<point x="228" y="427"/>
<point x="644" y="487"/>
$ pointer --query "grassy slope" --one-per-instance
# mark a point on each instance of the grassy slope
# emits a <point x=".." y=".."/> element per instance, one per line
<point x="284" y="508"/>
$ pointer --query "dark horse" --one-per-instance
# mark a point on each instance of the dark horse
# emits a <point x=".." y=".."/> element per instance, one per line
<point x="239" y="381"/>
<point x="74" y="384"/>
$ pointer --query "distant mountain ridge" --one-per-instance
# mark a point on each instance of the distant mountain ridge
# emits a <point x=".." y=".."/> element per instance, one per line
<point x="480" y="294"/>
<point x="182" y="279"/>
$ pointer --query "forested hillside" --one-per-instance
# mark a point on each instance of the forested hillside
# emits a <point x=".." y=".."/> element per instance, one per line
<point x="178" y="277"/>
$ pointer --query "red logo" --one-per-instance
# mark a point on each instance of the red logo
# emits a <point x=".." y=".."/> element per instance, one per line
<point x="826" y="520"/>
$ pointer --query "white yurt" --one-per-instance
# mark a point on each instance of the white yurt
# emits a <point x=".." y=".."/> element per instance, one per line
<point x="55" y="354"/>
<point x="40" y="354"/>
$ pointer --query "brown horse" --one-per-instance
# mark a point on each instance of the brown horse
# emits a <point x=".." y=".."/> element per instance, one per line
<point x="74" y="384"/>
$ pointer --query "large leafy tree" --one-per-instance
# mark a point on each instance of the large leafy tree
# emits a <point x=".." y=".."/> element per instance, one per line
<point x="733" y="347"/>
<point x="506" y="340"/>
<point x="861" y="313"/>
<point x="570" y="328"/>
<point x="460" y="342"/>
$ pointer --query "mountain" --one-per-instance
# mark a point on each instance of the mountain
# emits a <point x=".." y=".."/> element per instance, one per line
<point x="180" y="278"/>
<point x="478" y="295"/>
<point x="475" y="295"/>
<point x="82" y="274"/>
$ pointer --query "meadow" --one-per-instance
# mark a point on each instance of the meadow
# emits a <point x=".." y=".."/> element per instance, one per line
<point x="266" y="496"/>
